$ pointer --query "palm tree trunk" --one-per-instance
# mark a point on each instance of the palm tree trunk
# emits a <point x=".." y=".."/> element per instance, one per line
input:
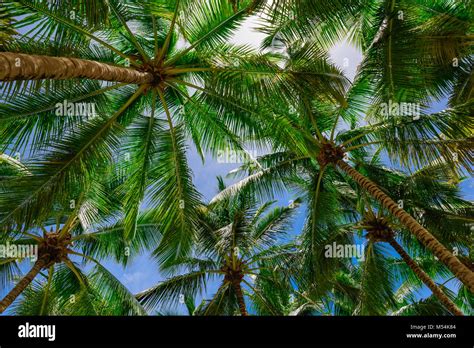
<point x="17" y="66"/>
<point x="461" y="272"/>
<point x="240" y="299"/>
<point x="22" y="284"/>
<point x="425" y="278"/>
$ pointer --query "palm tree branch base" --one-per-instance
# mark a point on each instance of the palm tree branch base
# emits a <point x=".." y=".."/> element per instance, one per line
<point x="17" y="66"/>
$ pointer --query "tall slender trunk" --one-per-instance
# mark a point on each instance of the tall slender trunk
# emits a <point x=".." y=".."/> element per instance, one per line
<point x="460" y="270"/>
<point x="425" y="278"/>
<point x="240" y="299"/>
<point x="18" y="66"/>
<point x="22" y="284"/>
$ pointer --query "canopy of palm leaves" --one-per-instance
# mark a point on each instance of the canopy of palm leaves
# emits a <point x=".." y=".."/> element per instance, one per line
<point x="237" y="242"/>
<point x="163" y="75"/>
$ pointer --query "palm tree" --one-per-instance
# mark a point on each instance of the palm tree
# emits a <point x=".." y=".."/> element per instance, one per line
<point x="169" y="94"/>
<point x="432" y="196"/>
<point x="88" y="228"/>
<point x="301" y="140"/>
<point x="428" y="192"/>
<point x="415" y="33"/>
<point x="378" y="230"/>
<point x="55" y="250"/>
<point x="63" y="294"/>
<point x="273" y="167"/>
<point x="347" y="298"/>
<point x="238" y="243"/>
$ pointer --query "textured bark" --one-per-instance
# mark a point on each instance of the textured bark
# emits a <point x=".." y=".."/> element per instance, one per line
<point x="424" y="236"/>
<point x="18" y="66"/>
<point x="22" y="284"/>
<point x="425" y="278"/>
<point x="240" y="299"/>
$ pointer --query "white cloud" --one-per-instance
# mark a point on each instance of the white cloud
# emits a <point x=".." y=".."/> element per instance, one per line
<point x="347" y="57"/>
